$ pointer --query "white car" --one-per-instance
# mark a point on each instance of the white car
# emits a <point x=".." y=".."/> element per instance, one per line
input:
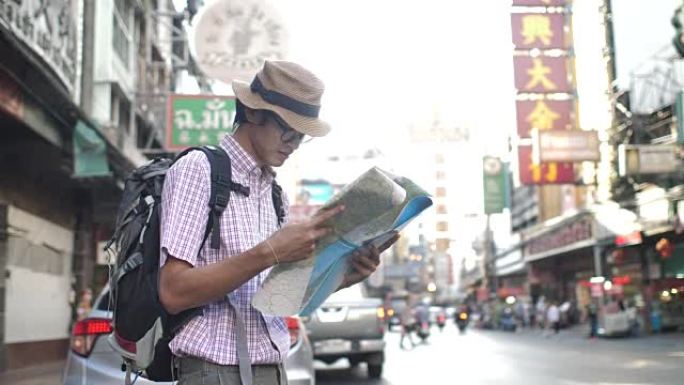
<point x="91" y="360"/>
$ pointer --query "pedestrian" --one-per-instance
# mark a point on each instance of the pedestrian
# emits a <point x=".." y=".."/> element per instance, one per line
<point x="592" y="313"/>
<point x="274" y="115"/>
<point x="553" y="317"/>
<point x="408" y="325"/>
<point x="85" y="304"/>
<point x="541" y="312"/>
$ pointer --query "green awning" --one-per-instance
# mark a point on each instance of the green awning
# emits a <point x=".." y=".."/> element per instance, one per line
<point x="90" y="152"/>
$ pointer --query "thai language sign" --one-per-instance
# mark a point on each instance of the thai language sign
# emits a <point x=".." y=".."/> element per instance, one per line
<point x="494" y="183"/>
<point x="49" y="29"/>
<point x="195" y="120"/>
<point x="566" y="146"/>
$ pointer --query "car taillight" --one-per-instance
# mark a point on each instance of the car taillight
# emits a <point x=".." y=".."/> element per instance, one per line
<point x="293" y="328"/>
<point x="85" y="333"/>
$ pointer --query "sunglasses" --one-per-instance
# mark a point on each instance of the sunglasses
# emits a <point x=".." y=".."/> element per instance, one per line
<point x="289" y="135"/>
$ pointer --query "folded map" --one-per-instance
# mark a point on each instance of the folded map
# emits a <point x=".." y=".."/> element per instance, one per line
<point x="377" y="205"/>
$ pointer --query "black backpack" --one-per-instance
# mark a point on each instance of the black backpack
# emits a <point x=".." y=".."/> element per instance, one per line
<point x="142" y="328"/>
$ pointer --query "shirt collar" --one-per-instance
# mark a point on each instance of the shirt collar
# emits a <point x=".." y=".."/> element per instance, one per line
<point x="242" y="162"/>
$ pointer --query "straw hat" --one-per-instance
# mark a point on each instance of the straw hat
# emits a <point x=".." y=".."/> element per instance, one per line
<point x="289" y="90"/>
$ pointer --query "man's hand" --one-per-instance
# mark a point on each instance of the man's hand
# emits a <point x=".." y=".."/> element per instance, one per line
<point x="365" y="261"/>
<point x="298" y="241"/>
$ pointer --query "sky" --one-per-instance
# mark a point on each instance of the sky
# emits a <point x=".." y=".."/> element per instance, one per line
<point x="391" y="65"/>
<point x="388" y="65"/>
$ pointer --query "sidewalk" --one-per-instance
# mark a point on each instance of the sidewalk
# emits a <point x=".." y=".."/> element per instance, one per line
<point x="47" y="374"/>
<point x="581" y="332"/>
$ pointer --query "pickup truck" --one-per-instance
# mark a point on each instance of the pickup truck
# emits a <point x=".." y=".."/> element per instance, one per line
<point x="349" y="325"/>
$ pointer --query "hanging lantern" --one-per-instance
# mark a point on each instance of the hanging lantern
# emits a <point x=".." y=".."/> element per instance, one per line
<point x="664" y="248"/>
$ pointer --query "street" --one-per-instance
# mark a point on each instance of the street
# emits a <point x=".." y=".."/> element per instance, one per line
<point x="526" y="357"/>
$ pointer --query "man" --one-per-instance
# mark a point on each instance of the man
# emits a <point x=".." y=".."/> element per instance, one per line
<point x="274" y="115"/>
<point x="553" y="317"/>
<point x="408" y="322"/>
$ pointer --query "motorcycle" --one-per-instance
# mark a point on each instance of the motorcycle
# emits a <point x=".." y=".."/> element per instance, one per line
<point x="507" y="321"/>
<point x="462" y="321"/>
<point x="441" y="321"/>
<point x="423" y="331"/>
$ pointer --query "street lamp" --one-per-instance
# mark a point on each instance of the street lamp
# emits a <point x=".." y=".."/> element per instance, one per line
<point x="431" y="287"/>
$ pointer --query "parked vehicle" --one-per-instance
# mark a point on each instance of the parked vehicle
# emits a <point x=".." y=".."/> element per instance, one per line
<point x="91" y="360"/>
<point x="349" y="325"/>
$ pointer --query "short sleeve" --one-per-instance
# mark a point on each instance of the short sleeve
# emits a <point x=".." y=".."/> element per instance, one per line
<point x="185" y="208"/>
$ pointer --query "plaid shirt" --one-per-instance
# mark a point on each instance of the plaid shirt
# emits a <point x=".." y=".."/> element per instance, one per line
<point x="246" y="222"/>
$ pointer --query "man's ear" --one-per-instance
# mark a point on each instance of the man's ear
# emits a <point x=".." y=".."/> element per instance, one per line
<point x="254" y="116"/>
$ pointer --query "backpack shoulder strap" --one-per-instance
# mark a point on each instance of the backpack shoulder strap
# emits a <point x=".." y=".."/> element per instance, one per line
<point x="221" y="186"/>
<point x="277" y="196"/>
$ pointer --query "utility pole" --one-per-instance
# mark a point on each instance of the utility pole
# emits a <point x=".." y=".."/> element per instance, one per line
<point x="490" y="258"/>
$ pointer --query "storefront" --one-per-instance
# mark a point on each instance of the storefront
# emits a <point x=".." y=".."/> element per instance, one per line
<point x="511" y="271"/>
<point x="570" y="260"/>
<point x="560" y="256"/>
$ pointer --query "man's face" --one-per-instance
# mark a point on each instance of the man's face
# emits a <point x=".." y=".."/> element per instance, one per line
<point x="272" y="139"/>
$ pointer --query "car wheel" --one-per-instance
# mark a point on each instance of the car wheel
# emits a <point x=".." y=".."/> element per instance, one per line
<point x="374" y="371"/>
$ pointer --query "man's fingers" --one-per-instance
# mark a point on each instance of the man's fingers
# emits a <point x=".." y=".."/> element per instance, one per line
<point x="365" y="260"/>
<point x="320" y="232"/>
<point x="389" y="243"/>
<point x="322" y="216"/>
<point x="359" y="267"/>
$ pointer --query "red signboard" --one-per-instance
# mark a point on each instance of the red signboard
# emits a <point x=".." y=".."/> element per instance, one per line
<point x="538" y="30"/>
<point x="563" y="236"/>
<point x="541" y="74"/>
<point x="546" y="173"/>
<point x="543" y="115"/>
<point x="540" y="3"/>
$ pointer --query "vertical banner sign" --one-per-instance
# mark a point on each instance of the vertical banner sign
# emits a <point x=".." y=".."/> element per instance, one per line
<point x="545" y="173"/>
<point x="541" y="74"/>
<point x="494" y="178"/>
<point x="195" y="120"/>
<point x="543" y="115"/>
<point x="539" y="30"/>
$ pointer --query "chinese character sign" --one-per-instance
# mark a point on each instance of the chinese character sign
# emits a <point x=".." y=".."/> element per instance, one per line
<point x="195" y="120"/>
<point x="541" y="74"/>
<point x="545" y="173"/>
<point x="543" y="115"/>
<point x="538" y="30"/>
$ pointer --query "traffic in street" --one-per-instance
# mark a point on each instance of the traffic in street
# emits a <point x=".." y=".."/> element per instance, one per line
<point x="526" y="357"/>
